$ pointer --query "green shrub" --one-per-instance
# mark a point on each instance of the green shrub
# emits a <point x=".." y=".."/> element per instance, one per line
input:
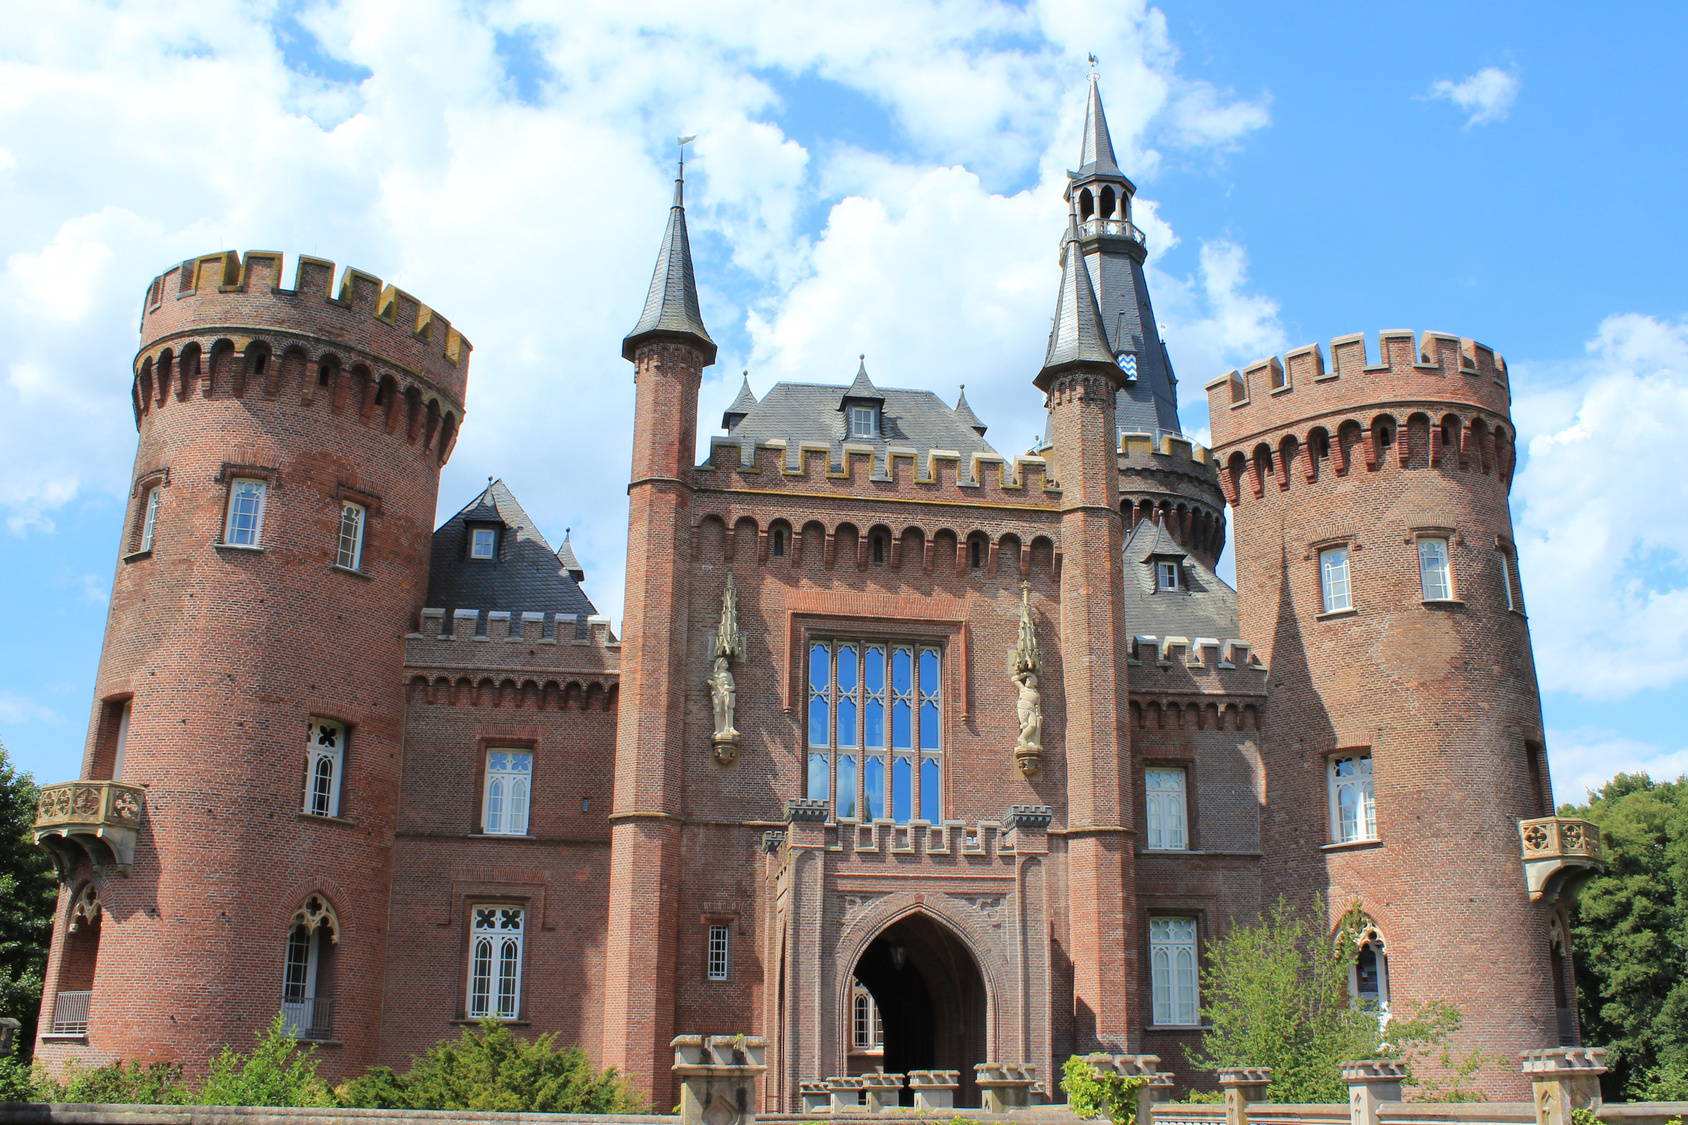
<point x="1094" y="1093"/>
<point x="134" y="1083"/>
<point x="277" y="1073"/>
<point x="20" y="1083"/>
<point x="494" y="1070"/>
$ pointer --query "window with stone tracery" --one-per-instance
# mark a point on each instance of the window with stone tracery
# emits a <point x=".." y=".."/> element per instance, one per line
<point x="509" y="781"/>
<point x="875" y="729"/>
<point x="495" y="961"/>
<point x="1368" y="976"/>
<point x="306" y="1007"/>
<point x="1172" y="971"/>
<point x="325" y="758"/>
<point x="867" y="1029"/>
<point x="1353" y="805"/>
<point x="1164" y="801"/>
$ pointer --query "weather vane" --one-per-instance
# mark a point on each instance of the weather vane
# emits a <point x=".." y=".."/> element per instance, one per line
<point x="1093" y="65"/>
<point x="684" y="141"/>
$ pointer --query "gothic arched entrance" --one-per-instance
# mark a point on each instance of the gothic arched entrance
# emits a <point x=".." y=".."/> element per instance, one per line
<point x="931" y="1000"/>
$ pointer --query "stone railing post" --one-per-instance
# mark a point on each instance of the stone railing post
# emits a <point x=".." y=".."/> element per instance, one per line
<point x="1004" y="1087"/>
<point x="1563" y="1079"/>
<point x="934" y="1089"/>
<point x="1146" y="1067"/>
<point x="816" y="1097"/>
<point x="1242" y="1085"/>
<point x="883" y="1090"/>
<point x="845" y="1093"/>
<point x="717" y="1076"/>
<point x="8" y="1036"/>
<point x="1370" y="1083"/>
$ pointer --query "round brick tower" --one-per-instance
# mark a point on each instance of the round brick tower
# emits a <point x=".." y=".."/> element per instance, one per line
<point x="1376" y="569"/>
<point x="249" y="695"/>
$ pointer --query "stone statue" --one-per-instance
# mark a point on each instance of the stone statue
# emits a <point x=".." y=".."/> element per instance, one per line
<point x="723" y="692"/>
<point x="1024" y="664"/>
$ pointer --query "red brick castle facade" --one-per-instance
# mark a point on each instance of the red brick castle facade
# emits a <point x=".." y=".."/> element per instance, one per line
<point x="911" y="754"/>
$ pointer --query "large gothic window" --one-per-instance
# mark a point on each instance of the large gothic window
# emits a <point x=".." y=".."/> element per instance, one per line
<point x="495" y="961"/>
<point x="1172" y="971"/>
<point x="307" y="1006"/>
<point x="875" y="729"/>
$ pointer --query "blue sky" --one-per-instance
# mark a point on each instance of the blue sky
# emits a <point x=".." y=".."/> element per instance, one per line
<point x="878" y="177"/>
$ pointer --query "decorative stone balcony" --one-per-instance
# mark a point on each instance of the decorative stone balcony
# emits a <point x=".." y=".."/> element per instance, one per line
<point x="1560" y="854"/>
<point x="89" y="821"/>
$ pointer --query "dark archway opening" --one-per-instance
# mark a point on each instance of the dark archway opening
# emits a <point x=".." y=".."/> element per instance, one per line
<point x="931" y="1000"/>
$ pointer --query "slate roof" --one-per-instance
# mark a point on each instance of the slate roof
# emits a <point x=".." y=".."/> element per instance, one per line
<point x="1097" y="157"/>
<point x="809" y="412"/>
<point x="964" y="414"/>
<point x="671" y="305"/>
<point x="1205" y="607"/>
<point x="526" y="577"/>
<point x="742" y="405"/>
<point x="1077" y="335"/>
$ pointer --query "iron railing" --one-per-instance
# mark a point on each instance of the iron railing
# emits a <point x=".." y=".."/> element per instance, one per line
<point x="311" y="1017"/>
<point x="70" y="1013"/>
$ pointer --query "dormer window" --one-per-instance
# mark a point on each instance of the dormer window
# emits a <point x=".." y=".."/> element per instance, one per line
<point x="1166" y="576"/>
<point x="862" y="422"/>
<point x="483" y="541"/>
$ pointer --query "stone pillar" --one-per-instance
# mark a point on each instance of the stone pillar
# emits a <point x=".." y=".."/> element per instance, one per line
<point x="717" y="1076"/>
<point x="934" y="1089"/>
<point x="1004" y="1087"/>
<point x="846" y="1093"/>
<point x="1563" y="1079"/>
<point x="816" y="1098"/>
<point x="1242" y="1085"/>
<point x="1370" y="1083"/>
<point x="883" y="1090"/>
<point x="8" y="1036"/>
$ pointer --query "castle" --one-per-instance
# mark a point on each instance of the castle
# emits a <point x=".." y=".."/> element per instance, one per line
<point x="912" y="755"/>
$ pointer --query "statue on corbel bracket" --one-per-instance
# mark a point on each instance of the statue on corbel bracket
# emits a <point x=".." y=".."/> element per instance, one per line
<point x="723" y="692"/>
<point x="1024" y="664"/>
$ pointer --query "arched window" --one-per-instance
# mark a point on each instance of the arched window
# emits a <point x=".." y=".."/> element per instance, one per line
<point x="495" y="961"/>
<point x="1368" y="976"/>
<point x="509" y="775"/>
<point x="975" y="553"/>
<point x="867" y="1030"/>
<point x="779" y="542"/>
<point x="325" y="756"/>
<point x="1567" y="1015"/>
<point x="307" y="1007"/>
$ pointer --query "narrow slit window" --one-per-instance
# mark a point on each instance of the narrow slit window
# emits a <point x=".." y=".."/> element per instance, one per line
<point x="149" y="517"/>
<point x="1506" y="579"/>
<point x="350" y="554"/>
<point x="779" y="542"/>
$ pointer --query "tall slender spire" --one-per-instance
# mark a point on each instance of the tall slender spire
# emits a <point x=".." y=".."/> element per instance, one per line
<point x="671" y="308"/>
<point x="1077" y="336"/>
<point x="1098" y="155"/>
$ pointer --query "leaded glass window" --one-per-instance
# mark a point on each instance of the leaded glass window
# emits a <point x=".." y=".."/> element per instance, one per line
<point x="1334" y="584"/>
<point x="149" y="521"/>
<point x="350" y="554"/>
<point x="867" y="767"/>
<point x="1433" y="570"/>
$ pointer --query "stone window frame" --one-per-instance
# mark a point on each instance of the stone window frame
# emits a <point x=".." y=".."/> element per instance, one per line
<point x="142" y="531"/>
<point x="1450" y="538"/>
<point x="230" y="472"/>
<point x="1185" y="767"/>
<point x="1371" y="935"/>
<point x="314" y="760"/>
<point x="1332" y="789"/>
<point x="495" y="951"/>
<point x="486" y="747"/>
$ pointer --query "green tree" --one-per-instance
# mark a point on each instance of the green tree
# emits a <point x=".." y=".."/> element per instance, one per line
<point x="1277" y="995"/>
<point x="28" y="896"/>
<point x="1629" y="932"/>
<point x="493" y="1070"/>
<point x="278" y="1072"/>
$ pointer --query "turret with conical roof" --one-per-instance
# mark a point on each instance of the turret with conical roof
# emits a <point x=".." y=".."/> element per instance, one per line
<point x="671" y="308"/>
<point x="1077" y="337"/>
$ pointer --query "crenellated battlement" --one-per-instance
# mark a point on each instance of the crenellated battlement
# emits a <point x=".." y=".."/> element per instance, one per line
<point x="1134" y="447"/>
<point x="901" y="473"/>
<point x="245" y="295"/>
<point x="1431" y="370"/>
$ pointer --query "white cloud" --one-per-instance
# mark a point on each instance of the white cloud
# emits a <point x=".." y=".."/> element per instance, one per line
<point x="16" y="708"/>
<point x="533" y="227"/>
<point x="1487" y="95"/>
<point x="1585" y="759"/>
<point x="1603" y="557"/>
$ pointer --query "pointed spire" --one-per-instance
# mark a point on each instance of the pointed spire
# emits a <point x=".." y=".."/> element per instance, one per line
<point x="742" y="405"/>
<point x="964" y="414"/>
<point x="1098" y="155"/>
<point x="1077" y="336"/>
<point x="862" y="388"/>
<point x="566" y="559"/>
<point x="671" y="308"/>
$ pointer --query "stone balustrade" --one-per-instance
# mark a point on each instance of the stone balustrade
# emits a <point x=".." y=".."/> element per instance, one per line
<point x="717" y="1076"/>
<point x="934" y="1089"/>
<point x="1560" y="853"/>
<point x="1005" y="1087"/>
<point x="89" y="821"/>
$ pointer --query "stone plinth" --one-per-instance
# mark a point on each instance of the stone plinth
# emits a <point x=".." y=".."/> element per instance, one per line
<point x="934" y="1089"/>
<point x="1005" y="1087"/>
<point x="816" y="1098"/>
<point x="1243" y="1085"/>
<point x="881" y="1090"/>
<point x="717" y="1075"/>
<point x="845" y="1093"/>
<point x="1370" y="1083"/>
<point x="1563" y="1079"/>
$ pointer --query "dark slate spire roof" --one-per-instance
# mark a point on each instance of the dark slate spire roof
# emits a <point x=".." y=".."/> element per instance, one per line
<point x="525" y="577"/>
<point x="671" y="305"/>
<point x="964" y="414"/>
<point x="862" y="388"/>
<point x="566" y="559"/>
<point x="742" y="405"/>
<point x="1077" y="335"/>
<point x="1098" y="155"/>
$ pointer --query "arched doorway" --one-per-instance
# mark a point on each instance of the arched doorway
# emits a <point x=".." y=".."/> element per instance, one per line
<point x="930" y="997"/>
